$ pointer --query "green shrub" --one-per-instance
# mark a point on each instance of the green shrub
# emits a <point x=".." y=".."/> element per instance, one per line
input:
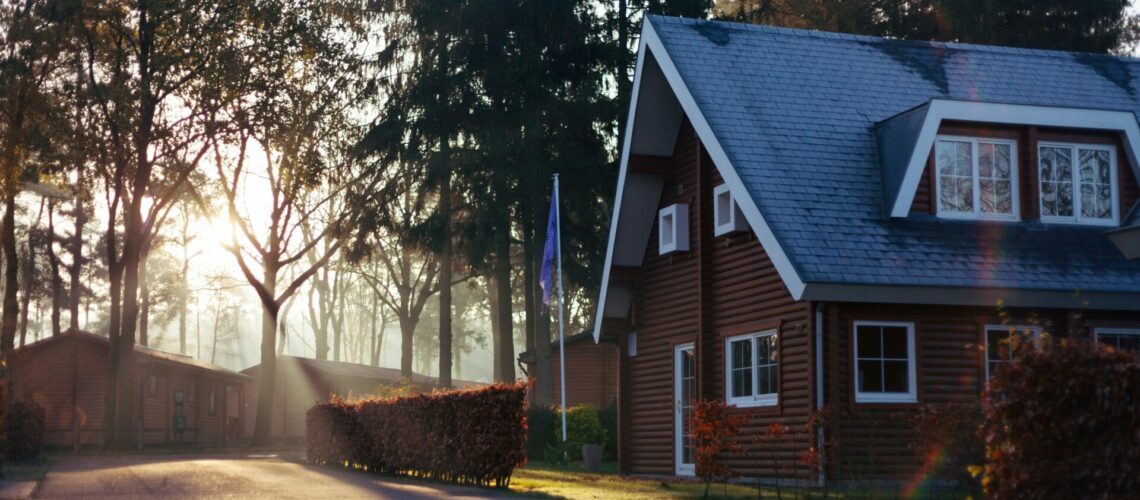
<point x="542" y="422"/>
<point x="23" y="430"/>
<point x="583" y="427"/>
<point x="609" y="418"/>
<point x="1064" y="423"/>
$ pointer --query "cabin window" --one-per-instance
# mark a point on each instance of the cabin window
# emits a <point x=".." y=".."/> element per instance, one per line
<point x="191" y="391"/>
<point x="1077" y="183"/>
<point x="1120" y="338"/>
<point x="1004" y="342"/>
<point x="152" y="386"/>
<point x="727" y="217"/>
<point x="673" y="228"/>
<point x="884" y="362"/>
<point x="212" y="402"/>
<point x="631" y="346"/>
<point x="976" y="178"/>
<point x="752" y="370"/>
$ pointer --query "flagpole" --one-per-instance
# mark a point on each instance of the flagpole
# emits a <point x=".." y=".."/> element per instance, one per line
<point x="561" y="339"/>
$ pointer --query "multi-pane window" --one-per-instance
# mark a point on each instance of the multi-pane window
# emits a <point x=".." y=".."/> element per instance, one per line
<point x="752" y="370"/>
<point x="976" y="178"/>
<point x="1077" y="182"/>
<point x="1004" y="342"/>
<point x="1120" y="338"/>
<point x="884" y="362"/>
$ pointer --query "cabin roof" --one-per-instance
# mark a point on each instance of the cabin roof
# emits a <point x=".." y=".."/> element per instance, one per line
<point x="146" y="352"/>
<point x="342" y="369"/>
<point x="790" y="117"/>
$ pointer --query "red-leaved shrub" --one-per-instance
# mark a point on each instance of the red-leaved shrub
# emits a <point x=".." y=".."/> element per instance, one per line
<point x="475" y="436"/>
<point x="713" y="431"/>
<point x="23" y="430"/>
<point x="1064" y="423"/>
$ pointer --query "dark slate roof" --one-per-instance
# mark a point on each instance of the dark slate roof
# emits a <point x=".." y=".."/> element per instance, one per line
<point x="795" y="112"/>
<point x="330" y="368"/>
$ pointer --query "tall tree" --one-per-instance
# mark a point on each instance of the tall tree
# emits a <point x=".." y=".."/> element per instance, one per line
<point x="300" y="78"/>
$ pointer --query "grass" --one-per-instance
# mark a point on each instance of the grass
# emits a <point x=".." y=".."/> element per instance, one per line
<point x="539" y="479"/>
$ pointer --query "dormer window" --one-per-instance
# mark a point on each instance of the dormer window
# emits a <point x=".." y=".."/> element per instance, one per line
<point x="976" y="178"/>
<point x="727" y="217"/>
<point x="1077" y="183"/>
<point x="673" y="228"/>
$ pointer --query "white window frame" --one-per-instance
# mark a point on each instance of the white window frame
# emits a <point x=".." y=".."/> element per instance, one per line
<point x="755" y="399"/>
<point x="673" y="228"/>
<point x="975" y="174"/>
<point x="1134" y="332"/>
<point x="733" y="220"/>
<point x="1114" y="184"/>
<point x="1035" y="334"/>
<point x="911" y="396"/>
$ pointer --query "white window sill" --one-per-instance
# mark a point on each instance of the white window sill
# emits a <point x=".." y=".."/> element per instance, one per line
<point x="760" y="402"/>
<point x="885" y="398"/>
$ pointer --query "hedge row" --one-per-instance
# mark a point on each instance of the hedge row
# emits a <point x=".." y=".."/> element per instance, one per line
<point x="23" y="430"/>
<point x="1064" y="423"/>
<point x="475" y="436"/>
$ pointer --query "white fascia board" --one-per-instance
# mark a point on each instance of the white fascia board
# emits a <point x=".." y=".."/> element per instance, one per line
<point x="622" y="173"/>
<point x="1009" y="114"/>
<point x="787" y="272"/>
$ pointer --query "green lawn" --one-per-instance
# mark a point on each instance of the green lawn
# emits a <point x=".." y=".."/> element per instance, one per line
<point x="544" y="480"/>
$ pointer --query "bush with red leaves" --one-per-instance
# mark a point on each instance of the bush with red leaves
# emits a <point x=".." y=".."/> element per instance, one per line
<point x="1064" y="423"/>
<point x="23" y="430"/>
<point x="475" y="436"/>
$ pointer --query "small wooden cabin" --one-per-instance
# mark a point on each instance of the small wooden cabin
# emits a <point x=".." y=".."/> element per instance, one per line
<point x="591" y="371"/>
<point x="180" y="401"/>
<point x="809" y="221"/>
<point x="303" y="382"/>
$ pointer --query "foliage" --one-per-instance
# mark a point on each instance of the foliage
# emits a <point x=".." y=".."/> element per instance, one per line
<point x="23" y="430"/>
<point x="815" y="457"/>
<point x="401" y="389"/>
<point x="713" y="429"/>
<point x="948" y="440"/>
<point x="542" y="428"/>
<point x="474" y="436"/>
<point x="583" y="427"/>
<point x="609" y="418"/>
<point x="1063" y="424"/>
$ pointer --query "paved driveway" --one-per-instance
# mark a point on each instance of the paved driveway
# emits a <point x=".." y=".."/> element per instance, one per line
<point x="221" y="476"/>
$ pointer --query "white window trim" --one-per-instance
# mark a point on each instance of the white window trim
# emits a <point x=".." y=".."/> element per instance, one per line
<point x="911" y="396"/>
<point x="1035" y="331"/>
<point x="755" y="400"/>
<point x="1076" y="218"/>
<point x="977" y="214"/>
<point x="1115" y="331"/>
<point x="735" y="220"/>
<point x="679" y="241"/>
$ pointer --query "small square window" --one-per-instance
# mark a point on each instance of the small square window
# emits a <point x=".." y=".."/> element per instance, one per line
<point x="1123" y="339"/>
<point x="752" y="369"/>
<point x="152" y="385"/>
<point x="885" y="363"/>
<point x="727" y="216"/>
<point x="1004" y="342"/>
<point x="673" y="228"/>
<point x="631" y="348"/>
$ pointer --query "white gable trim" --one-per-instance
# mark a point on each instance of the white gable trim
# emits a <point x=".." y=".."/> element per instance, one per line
<point x="1011" y="114"/>
<point x="652" y="43"/>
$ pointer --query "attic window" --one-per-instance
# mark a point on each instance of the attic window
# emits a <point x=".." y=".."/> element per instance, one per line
<point x="976" y="178"/>
<point x="673" y="228"/>
<point x="1078" y="183"/>
<point x="727" y="217"/>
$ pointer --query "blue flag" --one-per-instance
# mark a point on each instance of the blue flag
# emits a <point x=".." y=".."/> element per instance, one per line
<point x="548" y="253"/>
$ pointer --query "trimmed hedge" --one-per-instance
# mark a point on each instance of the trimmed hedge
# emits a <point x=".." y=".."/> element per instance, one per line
<point x="23" y="430"/>
<point x="475" y="436"/>
<point x="1064" y="423"/>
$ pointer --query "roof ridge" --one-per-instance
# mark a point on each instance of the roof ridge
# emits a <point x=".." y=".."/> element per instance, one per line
<point x="838" y="36"/>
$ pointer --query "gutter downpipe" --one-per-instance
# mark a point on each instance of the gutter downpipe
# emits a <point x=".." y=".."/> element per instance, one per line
<point x="819" y="400"/>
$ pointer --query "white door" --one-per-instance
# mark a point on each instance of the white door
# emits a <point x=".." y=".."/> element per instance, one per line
<point x="684" y="389"/>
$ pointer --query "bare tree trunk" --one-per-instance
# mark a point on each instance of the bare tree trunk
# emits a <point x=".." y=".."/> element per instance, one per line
<point x="144" y="296"/>
<point x="338" y="320"/>
<point x="29" y="277"/>
<point x="407" y="334"/>
<point x="184" y="297"/>
<point x="445" y="270"/>
<point x="544" y="377"/>
<point x="505" y="341"/>
<point x="11" y="273"/>
<point x="267" y="375"/>
<point x="76" y="269"/>
<point x="374" y="348"/>
<point x="53" y="265"/>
